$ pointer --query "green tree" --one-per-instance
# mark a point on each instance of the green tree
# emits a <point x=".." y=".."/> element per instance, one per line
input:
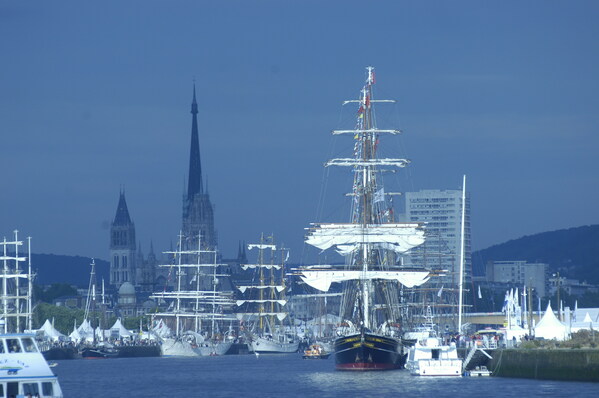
<point x="64" y="318"/>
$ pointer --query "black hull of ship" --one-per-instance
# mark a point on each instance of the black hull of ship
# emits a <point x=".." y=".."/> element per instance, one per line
<point x="368" y="351"/>
<point x="98" y="353"/>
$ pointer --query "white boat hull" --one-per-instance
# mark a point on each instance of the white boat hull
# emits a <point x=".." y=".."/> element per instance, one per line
<point x="178" y="348"/>
<point x="263" y="345"/>
<point x="211" y="349"/>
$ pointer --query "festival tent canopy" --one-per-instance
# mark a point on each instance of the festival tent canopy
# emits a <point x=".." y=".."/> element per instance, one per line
<point x="549" y="327"/>
<point x="587" y="323"/>
<point x="75" y="335"/>
<point x="50" y="332"/>
<point x="120" y="329"/>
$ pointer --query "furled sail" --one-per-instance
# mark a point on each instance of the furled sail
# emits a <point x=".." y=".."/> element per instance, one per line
<point x="241" y="302"/>
<point x="279" y="288"/>
<point x="261" y="246"/>
<point x="248" y="315"/>
<point x="322" y="279"/>
<point x="245" y="267"/>
<point x="399" y="237"/>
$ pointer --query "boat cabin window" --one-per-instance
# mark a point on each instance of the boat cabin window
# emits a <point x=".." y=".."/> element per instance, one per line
<point x="435" y="354"/>
<point x="1" y="390"/>
<point x="12" y="388"/>
<point x="1" y="348"/>
<point x="13" y="345"/>
<point x="47" y="389"/>
<point x="31" y="388"/>
<point x="29" y="345"/>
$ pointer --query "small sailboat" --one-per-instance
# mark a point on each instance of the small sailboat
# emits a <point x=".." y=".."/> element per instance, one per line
<point x="263" y="309"/>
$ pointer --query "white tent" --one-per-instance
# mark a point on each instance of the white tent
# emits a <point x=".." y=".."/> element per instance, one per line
<point x="86" y="331"/>
<point x="75" y="335"/>
<point x="549" y="327"/>
<point x="49" y="331"/>
<point x="120" y="329"/>
<point x="586" y="323"/>
<point x="515" y="331"/>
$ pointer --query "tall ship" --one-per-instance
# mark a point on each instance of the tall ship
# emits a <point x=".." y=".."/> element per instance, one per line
<point x="372" y="242"/>
<point x="263" y="307"/>
<point x="198" y="320"/>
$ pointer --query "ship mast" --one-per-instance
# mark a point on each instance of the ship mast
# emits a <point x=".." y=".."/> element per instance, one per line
<point x="365" y="164"/>
<point x="372" y="240"/>
<point x="14" y="289"/>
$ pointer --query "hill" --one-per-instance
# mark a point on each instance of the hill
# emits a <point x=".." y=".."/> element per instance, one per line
<point x="74" y="270"/>
<point x="574" y="252"/>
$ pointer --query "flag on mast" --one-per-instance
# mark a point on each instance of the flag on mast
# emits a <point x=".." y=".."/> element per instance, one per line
<point x="440" y="291"/>
<point x="479" y="293"/>
<point x="379" y="196"/>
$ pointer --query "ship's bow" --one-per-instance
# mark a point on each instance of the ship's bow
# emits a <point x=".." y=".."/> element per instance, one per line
<point x="367" y="351"/>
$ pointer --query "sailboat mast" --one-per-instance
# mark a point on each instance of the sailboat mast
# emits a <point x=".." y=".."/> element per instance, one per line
<point x="214" y="282"/>
<point x="261" y="290"/>
<point x="461" y="281"/>
<point x="368" y="184"/>
<point x="29" y="287"/>
<point x="179" y="275"/>
<point x="198" y="325"/>
<point x="271" y="318"/>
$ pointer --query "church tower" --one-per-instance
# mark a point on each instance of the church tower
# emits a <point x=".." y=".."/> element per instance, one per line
<point x="198" y="214"/>
<point x="122" y="246"/>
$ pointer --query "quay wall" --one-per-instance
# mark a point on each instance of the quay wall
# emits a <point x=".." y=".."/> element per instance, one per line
<point x="548" y="364"/>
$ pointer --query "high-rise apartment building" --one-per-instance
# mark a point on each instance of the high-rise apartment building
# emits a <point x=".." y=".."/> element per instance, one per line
<point x="441" y="211"/>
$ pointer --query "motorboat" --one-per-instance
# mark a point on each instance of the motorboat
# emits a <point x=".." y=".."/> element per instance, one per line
<point x="479" y="371"/>
<point x="316" y="351"/>
<point x="23" y="369"/>
<point x="430" y="357"/>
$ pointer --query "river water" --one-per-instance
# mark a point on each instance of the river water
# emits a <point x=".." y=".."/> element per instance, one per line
<point x="284" y="376"/>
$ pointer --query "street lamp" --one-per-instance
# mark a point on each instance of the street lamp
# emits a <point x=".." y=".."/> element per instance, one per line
<point x="559" y="312"/>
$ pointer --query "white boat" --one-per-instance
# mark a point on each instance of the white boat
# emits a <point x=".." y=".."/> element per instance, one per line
<point x="430" y="357"/>
<point x="279" y="343"/>
<point x="190" y="345"/>
<point x="23" y="369"/>
<point x="195" y="322"/>
<point x="263" y="310"/>
<point x="479" y="371"/>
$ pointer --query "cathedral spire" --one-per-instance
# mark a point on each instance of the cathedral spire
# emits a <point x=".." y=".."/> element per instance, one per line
<point x="195" y="165"/>
<point x="122" y="213"/>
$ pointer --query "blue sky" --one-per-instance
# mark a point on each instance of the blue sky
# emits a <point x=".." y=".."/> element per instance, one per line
<point x="95" y="97"/>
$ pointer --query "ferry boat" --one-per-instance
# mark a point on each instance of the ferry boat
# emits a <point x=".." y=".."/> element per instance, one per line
<point x="23" y="369"/>
<point x="372" y="243"/>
